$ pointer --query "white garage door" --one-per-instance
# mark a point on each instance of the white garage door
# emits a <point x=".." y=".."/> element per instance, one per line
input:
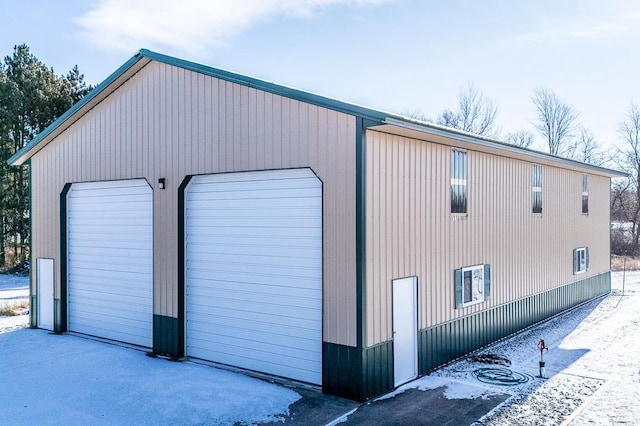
<point x="110" y="260"/>
<point x="254" y="271"/>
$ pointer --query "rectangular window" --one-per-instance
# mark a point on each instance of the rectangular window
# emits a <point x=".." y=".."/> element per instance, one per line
<point x="585" y="193"/>
<point x="458" y="181"/>
<point x="472" y="285"/>
<point x="580" y="260"/>
<point x="536" y="188"/>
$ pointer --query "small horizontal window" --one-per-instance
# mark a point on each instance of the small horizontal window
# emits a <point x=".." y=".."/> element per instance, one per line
<point x="472" y="285"/>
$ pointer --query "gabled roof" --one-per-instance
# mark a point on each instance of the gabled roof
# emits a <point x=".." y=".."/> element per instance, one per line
<point x="386" y="122"/>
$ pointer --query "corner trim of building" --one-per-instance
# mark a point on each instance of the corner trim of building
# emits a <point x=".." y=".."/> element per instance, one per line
<point x="361" y="227"/>
<point x="33" y="313"/>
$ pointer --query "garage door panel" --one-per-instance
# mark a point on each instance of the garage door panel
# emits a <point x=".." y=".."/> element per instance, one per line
<point x="204" y="232"/>
<point x="274" y="314"/>
<point x="217" y="324"/>
<point x="265" y="254"/>
<point x="204" y="313"/>
<point x="260" y="301"/>
<point x="254" y="189"/>
<point x="278" y="200"/>
<point x="125" y="333"/>
<point x="249" y="261"/>
<point x="258" y="284"/>
<point x="125" y="315"/>
<point x="268" y="344"/>
<point x="211" y="276"/>
<point x="291" y="223"/>
<point x="110" y="269"/>
<point x="304" y="370"/>
<point x="253" y="264"/>
<point x="267" y="264"/>
<point x="110" y="260"/>
<point x="100" y="294"/>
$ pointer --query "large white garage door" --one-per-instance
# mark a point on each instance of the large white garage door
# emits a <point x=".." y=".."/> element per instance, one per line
<point x="110" y="260"/>
<point x="254" y="271"/>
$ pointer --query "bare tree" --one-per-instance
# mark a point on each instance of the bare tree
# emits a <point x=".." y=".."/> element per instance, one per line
<point x="521" y="138"/>
<point x="586" y="148"/>
<point x="476" y="114"/>
<point x="555" y="120"/>
<point x="417" y="114"/>
<point x="626" y="196"/>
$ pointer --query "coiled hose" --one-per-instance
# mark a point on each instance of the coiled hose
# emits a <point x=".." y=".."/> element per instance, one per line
<point x="501" y="376"/>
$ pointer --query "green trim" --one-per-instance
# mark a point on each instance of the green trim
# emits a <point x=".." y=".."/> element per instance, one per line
<point x="311" y="98"/>
<point x="461" y="136"/>
<point x="60" y="307"/>
<point x="33" y="311"/>
<point x="361" y="228"/>
<point x="266" y="86"/>
<point x="181" y="271"/>
<point x="19" y="157"/>
<point x="166" y="336"/>
<point x="59" y="315"/>
<point x="33" y="307"/>
<point x="361" y="242"/>
<point x="356" y="373"/>
<point x="445" y="342"/>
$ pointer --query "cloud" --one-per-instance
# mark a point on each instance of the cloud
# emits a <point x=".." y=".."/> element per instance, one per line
<point x="193" y="26"/>
<point x="591" y="31"/>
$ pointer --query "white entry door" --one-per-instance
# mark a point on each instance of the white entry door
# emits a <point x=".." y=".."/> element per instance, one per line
<point x="405" y="330"/>
<point x="44" y="269"/>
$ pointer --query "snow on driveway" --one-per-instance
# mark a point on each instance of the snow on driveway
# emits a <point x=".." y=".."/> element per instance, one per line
<point x="68" y="380"/>
<point x="593" y="364"/>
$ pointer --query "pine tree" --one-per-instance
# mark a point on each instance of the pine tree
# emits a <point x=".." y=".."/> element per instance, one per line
<point x="31" y="98"/>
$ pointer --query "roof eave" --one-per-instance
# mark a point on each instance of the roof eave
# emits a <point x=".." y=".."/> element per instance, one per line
<point x="71" y="115"/>
<point x="464" y="137"/>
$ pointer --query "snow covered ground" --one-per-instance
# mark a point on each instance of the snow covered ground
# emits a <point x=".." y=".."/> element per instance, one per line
<point x="593" y="366"/>
<point x="13" y="287"/>
<point x="86" y="382"/>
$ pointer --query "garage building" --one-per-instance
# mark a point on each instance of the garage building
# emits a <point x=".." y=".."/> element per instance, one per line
<point x="202" y="213"/>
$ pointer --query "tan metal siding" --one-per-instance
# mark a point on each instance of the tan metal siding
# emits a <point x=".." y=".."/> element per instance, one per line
<point x="166" y="122"/>
<point x="410" y="230"/>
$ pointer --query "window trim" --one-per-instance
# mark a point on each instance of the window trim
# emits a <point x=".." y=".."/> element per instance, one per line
<point x="460" y="182"/>
<point x="585" y="193"/>
<point x="484" y="285"/>
<point x="536" y="189"/>
<point x="580" y="260"/>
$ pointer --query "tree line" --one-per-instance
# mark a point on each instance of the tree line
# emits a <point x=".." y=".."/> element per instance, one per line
<point x="557" y="122"/>
<point x="32" y="96"/>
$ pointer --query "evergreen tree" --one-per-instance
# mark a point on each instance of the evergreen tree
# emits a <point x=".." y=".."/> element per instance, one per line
<point x="31" y="98"/>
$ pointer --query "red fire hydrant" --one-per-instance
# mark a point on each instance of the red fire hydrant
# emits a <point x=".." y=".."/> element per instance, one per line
<point x="543" y="347"/>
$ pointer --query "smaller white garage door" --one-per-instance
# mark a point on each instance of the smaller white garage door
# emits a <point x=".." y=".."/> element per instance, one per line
<point x="254" y="271"/>
<point x="110" y="260"/>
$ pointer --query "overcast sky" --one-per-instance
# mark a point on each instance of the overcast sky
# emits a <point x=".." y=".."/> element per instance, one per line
<point x="394" y="55"/>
